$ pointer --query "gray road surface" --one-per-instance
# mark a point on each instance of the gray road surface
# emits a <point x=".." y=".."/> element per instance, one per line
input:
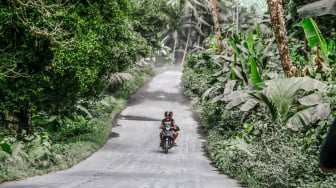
<point x="132" y="159"/>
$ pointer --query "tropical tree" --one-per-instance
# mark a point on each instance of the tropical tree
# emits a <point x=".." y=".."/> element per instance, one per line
<point x="193" y="27"/>
<point x="56" y="54"/>
<point x="215" y="15"/>
<point x="150" y="17"/>
<point x="279" y="28"/>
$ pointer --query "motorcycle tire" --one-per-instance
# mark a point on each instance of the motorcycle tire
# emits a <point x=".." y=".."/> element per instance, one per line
<point x="166" y="145"/>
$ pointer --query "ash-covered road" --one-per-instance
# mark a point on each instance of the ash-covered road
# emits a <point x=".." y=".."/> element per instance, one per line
<point x="133" y="159"/>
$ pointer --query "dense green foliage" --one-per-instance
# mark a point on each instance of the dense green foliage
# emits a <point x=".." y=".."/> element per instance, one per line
<point x="252" y="146"/>
<point x="46" y="150"/>
<point x="59" y="63"/>
<point x="326" y="22"/>
<point x="149" y="21"/>
<point x="263" y="130"/>
<point x="54" y="55"/>
<point x="66" y="65"/>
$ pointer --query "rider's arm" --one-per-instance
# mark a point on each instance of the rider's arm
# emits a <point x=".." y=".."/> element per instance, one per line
<point x="174" y="124"/>
<point x="161" y="126"/>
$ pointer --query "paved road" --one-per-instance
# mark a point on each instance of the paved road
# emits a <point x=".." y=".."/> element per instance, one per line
<point x="132" y="158"/>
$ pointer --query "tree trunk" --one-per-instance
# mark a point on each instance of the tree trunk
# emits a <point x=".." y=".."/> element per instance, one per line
<point x="187" y="44"/>
<point x="279" y="29"/>
<point x="217" y="26"/>
<point x="175" y="44"/>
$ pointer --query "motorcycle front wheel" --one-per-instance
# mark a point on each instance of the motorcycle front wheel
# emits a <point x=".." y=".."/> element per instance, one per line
<point x="166" y="146"/>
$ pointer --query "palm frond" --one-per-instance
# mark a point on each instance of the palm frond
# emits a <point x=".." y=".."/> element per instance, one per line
<point x="282" y="91"/>
<point x="278" y="98"/>
<point x="85" y="110"/>
<point x="119" y="78"/>
<point x="266" y="101"/>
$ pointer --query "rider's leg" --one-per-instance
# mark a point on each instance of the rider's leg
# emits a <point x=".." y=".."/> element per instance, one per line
<point x="175" y="135"/>
<point x="161" y="143"/>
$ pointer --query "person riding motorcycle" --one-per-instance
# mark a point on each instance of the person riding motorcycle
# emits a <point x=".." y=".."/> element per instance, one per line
<point x="171" y="114"/>
<point x="168" y="121"/>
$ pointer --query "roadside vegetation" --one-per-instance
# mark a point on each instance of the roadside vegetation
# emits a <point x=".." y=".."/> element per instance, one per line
<point x="49" y="149"/>
<point x="260" y="73"/>
<point x="66" y="69"/>
<point x="266" y="109"/>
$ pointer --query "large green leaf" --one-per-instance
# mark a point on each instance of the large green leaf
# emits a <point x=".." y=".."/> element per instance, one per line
<point x="315" y="37"/>
<point x="308" y="115"/>
<point x="311" y="100"/>
<point x="236" y="50"/>
<point x="237" y="73"/>
<point x="331" y="46"/>
<point x="6" y="148"/>
<point x="229" y="86"/>
<point x="282" y="91"/>
<point x="236" y="98"/>
<point x="250" y="43"/>
<point x="255" y="76"/>
<point x="249" y="105"/>
<point x="293" y="84"/>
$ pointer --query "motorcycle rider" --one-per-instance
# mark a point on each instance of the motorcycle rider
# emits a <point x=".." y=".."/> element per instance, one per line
<point x="168" y="121"/>
<point x="176" y="128"/>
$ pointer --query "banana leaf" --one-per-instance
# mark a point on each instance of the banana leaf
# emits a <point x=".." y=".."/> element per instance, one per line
<point x="255" y="76"/>
<point x="311" y="100"/>
<point x="250" y="43"/>
<point x="237" y="73"/>
<point x="237" y="51"/>
<point x="315" y="37"/>
<point x="249" y="104"/>
<point x="332" y="49"/>
<point x="207" y="93"/>
<point x="308" y="115"/>
<point x="331" y="46"/>
<point x="229" y="86"/>
<point x="236" y="98"/>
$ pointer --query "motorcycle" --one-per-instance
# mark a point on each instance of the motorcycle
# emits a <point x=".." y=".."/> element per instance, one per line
<point x="167" y="138"/>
